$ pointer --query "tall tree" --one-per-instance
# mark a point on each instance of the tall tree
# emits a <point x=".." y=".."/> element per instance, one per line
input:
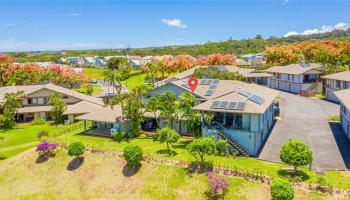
<point x="187" y="101"/>
<point x="132" y="112"/>
<point x="59" y="106"/>
<point x="168" y="107"/>
<point x="117" y="70"/>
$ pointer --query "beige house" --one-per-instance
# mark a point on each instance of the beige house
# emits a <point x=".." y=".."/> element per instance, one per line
<point x="34" y="102"/>
<point x="336" y="82"/>
<point x="296" y="78"/>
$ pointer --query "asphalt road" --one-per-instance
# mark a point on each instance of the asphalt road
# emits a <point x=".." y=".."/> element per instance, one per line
<point x="307" y="119"/>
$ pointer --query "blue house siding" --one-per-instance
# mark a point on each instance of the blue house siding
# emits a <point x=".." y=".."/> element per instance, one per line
<point x="118" y="126"/>
<point x="250" y="138"/>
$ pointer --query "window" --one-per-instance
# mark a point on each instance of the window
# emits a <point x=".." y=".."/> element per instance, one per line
<point x="346" y="84"/>
<point x="29" y="101"/>
<point x="279" y="76"/>
<point x="337" y="84"/>
<point x="65" y="97"/>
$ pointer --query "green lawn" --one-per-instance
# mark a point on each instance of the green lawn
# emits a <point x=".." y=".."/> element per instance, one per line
<point x="137" y="77"/>
<point x="102" y="176"/>
<point x="22" y="137"/>
<point x="97" y="89"/>
<point x="94" y="73"/>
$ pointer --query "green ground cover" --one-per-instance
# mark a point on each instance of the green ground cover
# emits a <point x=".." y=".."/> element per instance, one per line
<point x="103" y="176"/>
<point x="94" y="73"/>
<point x="96" y="89"/>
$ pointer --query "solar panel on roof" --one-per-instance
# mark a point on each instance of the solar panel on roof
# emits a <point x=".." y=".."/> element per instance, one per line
<point x="209" y="82"/>
<point x="171" y="80"/>
<point x="215" y="82"/>
<point x="223" y="104"/>
<point x="212" y="87"/>
<point x="256" y="99"/>
<point x="244" y="93"/>
<point x="215" y="104"/>
<point x="232" y="105"/>
<point x="240" y="106"/>
<point x="209" y="93"/>
<point x="185" y="85"/>
<point x="202" y="82"/>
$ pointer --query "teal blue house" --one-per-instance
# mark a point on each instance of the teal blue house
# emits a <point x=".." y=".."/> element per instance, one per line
<point x="239" y="112"/>
<point x="106" y="119"/>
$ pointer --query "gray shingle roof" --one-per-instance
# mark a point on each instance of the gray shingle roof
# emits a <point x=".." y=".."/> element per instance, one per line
<point x="296" y="69"/>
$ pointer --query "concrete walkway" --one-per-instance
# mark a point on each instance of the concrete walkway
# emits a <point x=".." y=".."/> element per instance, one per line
<point x="307" y="119"/>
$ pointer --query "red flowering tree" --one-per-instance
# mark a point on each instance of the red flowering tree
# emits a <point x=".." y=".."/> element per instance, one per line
<point x="66" y="76"/>
<point x="325" y="52"/>
<point x="217" y="59"/>
<point x="5" y="63"/>
<point x="179" y="63"/>
<point x="26" y="74"/>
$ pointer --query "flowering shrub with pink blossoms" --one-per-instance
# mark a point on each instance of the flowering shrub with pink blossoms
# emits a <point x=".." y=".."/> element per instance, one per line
<point x="218" y="185"/>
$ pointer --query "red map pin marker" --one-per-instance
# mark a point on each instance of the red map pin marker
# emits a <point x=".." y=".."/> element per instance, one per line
<point x="192" y="83"/>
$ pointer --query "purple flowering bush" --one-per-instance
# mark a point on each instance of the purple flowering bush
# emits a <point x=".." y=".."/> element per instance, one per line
<point x="218" y="185"/>
<point x="46" y="149"/>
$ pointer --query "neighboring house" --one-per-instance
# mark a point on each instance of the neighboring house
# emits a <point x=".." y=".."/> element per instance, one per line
<point x="296" y="78"/>
<point x="254" y="59"/>
<point x="344" y="99"/>
<point x="335" y="82"/>
<point x="243" y="113"/>
<point x="34" y="102"/>
<point x="107" y="120"/>
<point x="251" y="75"/>
<point x="241" y="62"/>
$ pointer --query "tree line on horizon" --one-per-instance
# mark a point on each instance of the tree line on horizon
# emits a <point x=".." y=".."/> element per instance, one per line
<point x="230" y="46"/>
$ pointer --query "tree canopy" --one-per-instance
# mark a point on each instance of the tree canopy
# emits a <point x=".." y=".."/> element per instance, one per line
<point x="296" y="153"/>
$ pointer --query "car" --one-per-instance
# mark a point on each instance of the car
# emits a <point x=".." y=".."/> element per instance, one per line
<point x="276" y="111"/>
<point x="94" y="81"/>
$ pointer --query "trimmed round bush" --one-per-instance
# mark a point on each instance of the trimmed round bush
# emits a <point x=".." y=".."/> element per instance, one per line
<point x="133" y="154"/>
<point x="76" y="149"/>
<point x="282" y="190"/>
<point x="38" y="121"/>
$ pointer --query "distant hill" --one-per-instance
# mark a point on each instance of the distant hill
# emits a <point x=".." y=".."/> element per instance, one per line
<point x="230" y="46"/>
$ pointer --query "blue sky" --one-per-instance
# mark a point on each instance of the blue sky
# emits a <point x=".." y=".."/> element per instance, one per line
<point x="57" y="25"/>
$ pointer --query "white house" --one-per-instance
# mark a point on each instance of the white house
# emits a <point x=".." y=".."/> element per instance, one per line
<point x="336" y="82"/>
<point x="254" y="59"/>
<point x="344" y="99"/>
<point x="296" y="78"/>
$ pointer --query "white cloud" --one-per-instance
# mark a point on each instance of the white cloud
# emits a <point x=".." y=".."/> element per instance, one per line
<point x="10" y="24"/>
<point x="290" y="33"/>
<point x="174" y="23"/>
<point x="285" y="1"/>
<point x="72" y="14"/>
<point x="324" y="29"/>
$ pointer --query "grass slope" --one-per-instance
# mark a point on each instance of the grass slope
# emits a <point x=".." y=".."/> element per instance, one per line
<point x="101" y="177"/>
<point x="150" y="147"/>
<point x="20" y="138"/>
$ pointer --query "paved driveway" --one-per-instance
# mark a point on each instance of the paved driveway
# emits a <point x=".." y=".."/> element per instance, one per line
<point x="307" y="119"/>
